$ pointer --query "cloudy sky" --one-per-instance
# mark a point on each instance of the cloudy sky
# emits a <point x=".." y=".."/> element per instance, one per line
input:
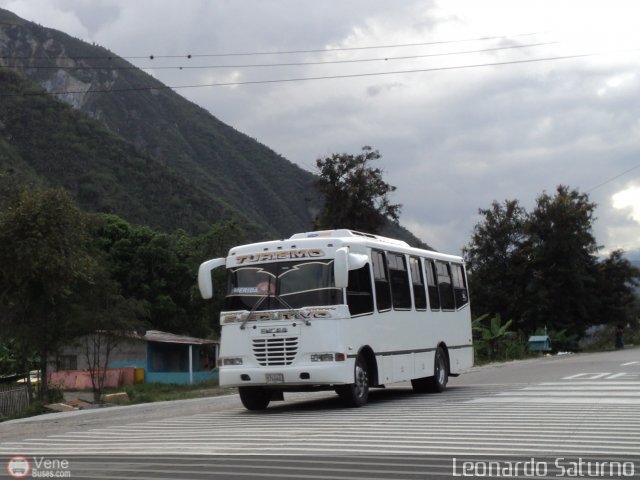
<point x="455" y="132"/>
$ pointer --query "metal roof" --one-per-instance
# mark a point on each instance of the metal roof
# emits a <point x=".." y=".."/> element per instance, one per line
<point x="164" y="337"/>
<point x="539" y="338"/>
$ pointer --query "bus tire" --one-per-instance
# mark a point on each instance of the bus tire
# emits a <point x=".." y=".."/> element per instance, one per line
<point x="356" y="394"/>
<point x="254" y="398"/>
<point x="438" y="383"/>
<point x="420" y="385"/>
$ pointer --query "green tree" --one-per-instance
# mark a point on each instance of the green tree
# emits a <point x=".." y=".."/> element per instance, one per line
<point x="217" y="242"/>
<point x="541" y="269"/>
<point x="355" y="194"/>
<point x="16" y="358"/>
<point x="561" y="256"/>
<point x="9" y="363"/>
<point x="616" y="279"/>
<point x="495" y="262"/>
<point x="159" y="271"/>
<point x="107" y="319"/>
<point x="149" y="266"/>
<point x="44" y="259"/>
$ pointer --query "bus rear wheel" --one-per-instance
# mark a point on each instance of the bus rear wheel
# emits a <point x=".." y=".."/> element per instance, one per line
<point x="356" y="394"/>
<point x="254" y="398"/>
<point x="437" y="383"/>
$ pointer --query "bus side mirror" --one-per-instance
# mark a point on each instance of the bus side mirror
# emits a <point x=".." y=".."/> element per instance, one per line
<point x="341" y="267"/>
<point x="205" y="283"/>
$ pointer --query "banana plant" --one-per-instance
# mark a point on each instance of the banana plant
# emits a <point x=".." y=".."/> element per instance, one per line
<point x="490" y="339"/>
<point x="8" y="361"/>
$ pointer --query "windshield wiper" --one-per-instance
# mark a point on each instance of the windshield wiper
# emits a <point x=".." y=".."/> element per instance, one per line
<point x="253" y="310"/>
<point x="261" y="300"/>
<point x="295" y="312"/>
<point x="257" y="304"/>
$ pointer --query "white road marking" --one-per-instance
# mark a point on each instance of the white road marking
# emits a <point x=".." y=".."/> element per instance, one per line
<point x="588" y="376"/>
<point x="563" y="399"/>
<point x="573" y="392"/>
<point x="602" y="376"/>
<point x="569" y="417"/>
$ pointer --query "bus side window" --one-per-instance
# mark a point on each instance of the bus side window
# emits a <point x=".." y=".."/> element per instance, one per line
<point x="381" y="280"/>
<point x="434" y="296"/>
<point x="400" y="293"/>
<point x="444" y="286"/>
<point x="417" y="279"/>
<point x="359" y="291"/>
<point x="459" y="285"/>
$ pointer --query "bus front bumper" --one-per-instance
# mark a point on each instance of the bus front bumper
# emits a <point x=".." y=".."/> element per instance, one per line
<point x="331" y="373"/>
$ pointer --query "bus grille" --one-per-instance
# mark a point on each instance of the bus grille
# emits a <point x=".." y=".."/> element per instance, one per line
<point x="275" y="351"/>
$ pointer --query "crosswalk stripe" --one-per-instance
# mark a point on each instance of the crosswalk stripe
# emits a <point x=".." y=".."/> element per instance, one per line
<point x="606" y="383"/>
<point x="570" y="392"/>
<point x="565" y="400"/>
<point x="550" y="417"/>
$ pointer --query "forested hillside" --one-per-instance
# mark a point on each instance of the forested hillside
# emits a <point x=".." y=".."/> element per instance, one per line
<point x="45" y="142"/>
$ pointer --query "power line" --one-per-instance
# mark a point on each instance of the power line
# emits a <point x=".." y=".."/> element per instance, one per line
<point x="613" y="178"/>
<point x="328" y="77"/>
<point x="345" y="49"/>
<point x="290" y="52"/>
<point x="291" y="64"/>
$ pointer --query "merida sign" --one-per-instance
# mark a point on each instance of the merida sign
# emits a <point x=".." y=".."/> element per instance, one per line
<point x="280" y="255"/>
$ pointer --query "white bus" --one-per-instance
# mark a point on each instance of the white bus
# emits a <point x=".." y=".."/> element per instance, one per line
<point x="339" y="310"/>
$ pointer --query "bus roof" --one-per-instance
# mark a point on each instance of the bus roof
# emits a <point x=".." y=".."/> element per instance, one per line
<point x="343" y="233"/>
<point x="339" y="237"/>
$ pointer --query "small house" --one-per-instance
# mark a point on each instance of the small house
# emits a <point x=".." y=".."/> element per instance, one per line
<point x="154" y="357"/>
<point x="540" y="343"/>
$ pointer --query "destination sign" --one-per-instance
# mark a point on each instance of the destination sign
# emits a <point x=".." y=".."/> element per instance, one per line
<point x="280" y="255"/>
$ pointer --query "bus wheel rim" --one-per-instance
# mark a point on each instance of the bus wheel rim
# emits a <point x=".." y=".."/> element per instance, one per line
<point x="440" y="370"/>
<point x="361" y="380"/>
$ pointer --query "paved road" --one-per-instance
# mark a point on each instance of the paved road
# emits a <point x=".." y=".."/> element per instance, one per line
<point x="569" y="406"/>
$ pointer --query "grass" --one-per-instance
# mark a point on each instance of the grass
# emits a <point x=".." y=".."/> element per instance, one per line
<point x="161" y="392"/>
<point x="143" y="393"/>
<point x="604" y="340"/>
<point x="36" y="408"/>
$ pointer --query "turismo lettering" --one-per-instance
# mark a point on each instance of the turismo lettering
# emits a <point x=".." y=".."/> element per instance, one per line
<point x="279" y="255"/>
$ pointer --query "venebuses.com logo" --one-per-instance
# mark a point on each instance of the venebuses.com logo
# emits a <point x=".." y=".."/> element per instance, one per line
<point x="38" y="467"/>
<point x="18" y="467"/>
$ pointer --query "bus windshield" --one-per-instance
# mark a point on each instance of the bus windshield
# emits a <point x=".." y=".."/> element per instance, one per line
<point x="282" y="285"/>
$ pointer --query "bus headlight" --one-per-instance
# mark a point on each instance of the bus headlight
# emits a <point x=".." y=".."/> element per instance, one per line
<point x="322" y="357"/>
<point x="231" y="361"/>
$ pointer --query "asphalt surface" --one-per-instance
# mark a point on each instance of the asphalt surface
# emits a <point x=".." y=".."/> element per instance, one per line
<point x="543" y="409"/>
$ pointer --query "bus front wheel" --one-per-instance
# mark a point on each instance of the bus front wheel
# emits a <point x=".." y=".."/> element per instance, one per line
<point x="356" y="394"/>
<point x="254" y="398"/>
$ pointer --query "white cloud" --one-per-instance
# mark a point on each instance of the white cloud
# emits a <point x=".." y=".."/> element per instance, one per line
<point x="629" y="200"/>
<point x="618" y="218"/>
<point x="47" y="14"/>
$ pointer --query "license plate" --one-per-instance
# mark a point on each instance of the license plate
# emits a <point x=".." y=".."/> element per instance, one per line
<point x="275" y="377"/>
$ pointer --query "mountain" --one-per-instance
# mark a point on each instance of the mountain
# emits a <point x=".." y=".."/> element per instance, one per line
<point x="149" y="149"/>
